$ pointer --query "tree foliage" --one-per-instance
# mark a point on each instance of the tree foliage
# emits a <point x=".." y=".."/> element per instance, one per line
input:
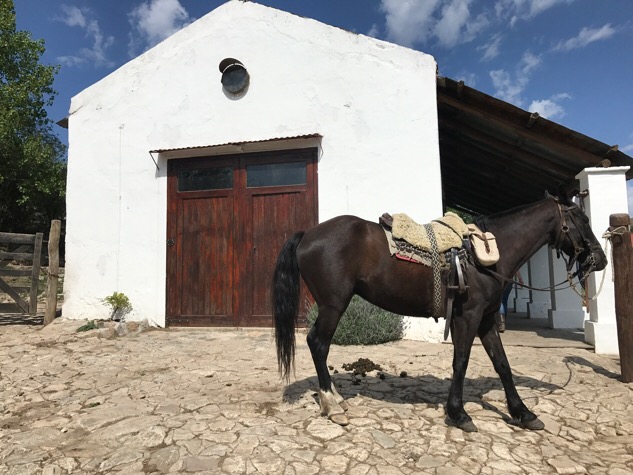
<point x="32" y="164"/>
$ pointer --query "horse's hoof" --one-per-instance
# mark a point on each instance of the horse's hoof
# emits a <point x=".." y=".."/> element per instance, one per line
<point x="343" y="405"/>
<point x="340" y="419"/>
<point x="467" y="426"/>
<point x="534" y="424"/>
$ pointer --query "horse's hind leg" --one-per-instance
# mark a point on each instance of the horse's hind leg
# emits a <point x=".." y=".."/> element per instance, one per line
<point x="319" y="340"/>
<point x="492" y="343"/>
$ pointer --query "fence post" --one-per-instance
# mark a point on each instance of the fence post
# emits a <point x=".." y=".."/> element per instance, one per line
<point x="622" y="244"/>
<point x="35" y="272"/>
<point x="53" y="271"/>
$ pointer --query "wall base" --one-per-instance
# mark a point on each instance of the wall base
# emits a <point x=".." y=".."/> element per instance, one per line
<point x="603" y="337"/>
<point x="538" y="309"/>
<point x="566" y="319"/>
<point x="521" y="304"/>
<point x="425" y="329"/>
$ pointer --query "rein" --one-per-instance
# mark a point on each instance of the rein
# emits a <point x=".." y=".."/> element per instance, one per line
<point x="558" y="243"/>
<point x="525" y="286"/>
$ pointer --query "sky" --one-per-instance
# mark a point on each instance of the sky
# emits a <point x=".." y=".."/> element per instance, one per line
<point x="569" y="60"/>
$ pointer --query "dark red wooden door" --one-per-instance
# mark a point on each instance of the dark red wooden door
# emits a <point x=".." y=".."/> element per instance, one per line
<point x="227" y="219"/>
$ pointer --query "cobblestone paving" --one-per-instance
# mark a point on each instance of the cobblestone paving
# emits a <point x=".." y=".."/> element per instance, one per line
<point x="211" y="401"/>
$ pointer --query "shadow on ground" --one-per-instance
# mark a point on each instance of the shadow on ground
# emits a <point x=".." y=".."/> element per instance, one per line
<point x="597" y="369"/>
<point x="20" y="319"/>
<point x="423" y="389"/>
<point x="535" y="332"/>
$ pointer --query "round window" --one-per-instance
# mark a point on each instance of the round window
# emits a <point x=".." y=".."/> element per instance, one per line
<point x="235" y="77"/>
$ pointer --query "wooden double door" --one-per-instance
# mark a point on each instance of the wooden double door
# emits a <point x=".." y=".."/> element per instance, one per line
<point x="227" y="218"/>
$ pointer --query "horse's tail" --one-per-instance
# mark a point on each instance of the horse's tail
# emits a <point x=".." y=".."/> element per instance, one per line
<point x="286" y="286"/>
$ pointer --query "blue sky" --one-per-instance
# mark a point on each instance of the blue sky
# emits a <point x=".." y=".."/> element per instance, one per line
<point x="569" y="60"/>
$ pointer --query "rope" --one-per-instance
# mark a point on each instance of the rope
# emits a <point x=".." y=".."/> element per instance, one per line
<point x="608" y="235"/>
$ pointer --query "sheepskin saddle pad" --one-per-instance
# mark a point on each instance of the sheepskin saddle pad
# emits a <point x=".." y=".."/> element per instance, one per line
<point x="450" y="230"/>
<point x="409" y="241"/>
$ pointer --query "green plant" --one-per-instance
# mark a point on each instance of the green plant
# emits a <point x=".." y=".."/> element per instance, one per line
<point x="87" y="327"/>
<point x="364" y="324"/>
<point x="120" y="305"/>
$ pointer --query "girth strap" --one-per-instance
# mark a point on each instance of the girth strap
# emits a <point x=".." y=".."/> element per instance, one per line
<point x="437" y="278"/>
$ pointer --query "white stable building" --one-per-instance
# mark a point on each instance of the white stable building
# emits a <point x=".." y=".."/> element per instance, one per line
<point x="189" y="166"/>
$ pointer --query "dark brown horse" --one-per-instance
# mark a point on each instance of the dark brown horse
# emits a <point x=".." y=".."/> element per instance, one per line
<point x="348" y="255"/>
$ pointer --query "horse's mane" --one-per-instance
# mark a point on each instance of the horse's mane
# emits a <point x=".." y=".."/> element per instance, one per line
<point x="483" y="220"/>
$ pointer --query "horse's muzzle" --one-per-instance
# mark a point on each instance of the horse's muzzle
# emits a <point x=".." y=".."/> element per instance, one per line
<point x="596" y="260"/>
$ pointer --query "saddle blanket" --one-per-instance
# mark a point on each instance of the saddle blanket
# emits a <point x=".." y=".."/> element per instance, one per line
<point x="409" y="240"/>
<point x="407" y="252"/>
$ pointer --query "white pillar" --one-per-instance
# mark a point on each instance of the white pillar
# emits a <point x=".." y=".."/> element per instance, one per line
<point x="539" y="278"/>
<point x="567" y="310"/>
<point x="607" y="195"/>
<point x="522" y="295"/>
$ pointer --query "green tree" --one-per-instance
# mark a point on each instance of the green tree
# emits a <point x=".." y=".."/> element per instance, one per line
<point x="32" y="163"/>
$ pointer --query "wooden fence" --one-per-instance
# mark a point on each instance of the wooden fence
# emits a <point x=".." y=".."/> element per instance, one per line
<point x="21" y="247"/>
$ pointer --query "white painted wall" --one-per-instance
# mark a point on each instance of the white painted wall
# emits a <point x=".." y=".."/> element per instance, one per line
<point x="607" y="196"/>
<point x="539" y="277"/>
<point x="567" y="310"/>
<point x="374" y="103"/>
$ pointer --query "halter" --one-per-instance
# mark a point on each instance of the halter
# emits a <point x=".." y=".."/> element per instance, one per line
<point x="563" y="232"/>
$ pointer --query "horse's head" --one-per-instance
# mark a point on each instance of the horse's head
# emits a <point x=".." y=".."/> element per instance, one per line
<point x="575" y="238"/>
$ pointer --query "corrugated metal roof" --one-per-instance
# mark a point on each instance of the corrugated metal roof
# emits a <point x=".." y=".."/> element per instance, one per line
<point x="237" y="144"/>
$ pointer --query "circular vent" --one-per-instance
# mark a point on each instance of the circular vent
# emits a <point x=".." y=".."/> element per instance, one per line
<point x="235" y="77"/>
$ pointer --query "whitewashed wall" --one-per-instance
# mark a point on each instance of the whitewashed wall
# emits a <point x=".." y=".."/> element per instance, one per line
<point x="373" y="102"/>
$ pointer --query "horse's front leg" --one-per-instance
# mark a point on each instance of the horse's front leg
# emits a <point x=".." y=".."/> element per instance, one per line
<point x="463" y="333"/>
<point x="492" y="343"/>
<point x="319" y="339"/>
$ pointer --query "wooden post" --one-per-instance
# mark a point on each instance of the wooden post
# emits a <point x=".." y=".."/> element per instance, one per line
<point x="622" y="243"/>
<point x="53" y="271"/>
<point x="35" y="273"/>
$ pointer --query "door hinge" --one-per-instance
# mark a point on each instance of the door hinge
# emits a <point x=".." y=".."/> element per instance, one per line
<point x="170" y="242"/>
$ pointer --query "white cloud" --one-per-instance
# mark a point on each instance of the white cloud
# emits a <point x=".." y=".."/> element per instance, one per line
<point x="550" y="108"/>
<point x="514" y="10"/>
<point x="374" y="31"/>
<point x="536" y="7"/>
<point x="491" y="49"/>
<point x="451" y="27"/>
<point x="409" y="21"/>
<point x="97" y="53"/>
<point x="510" y="86"/>
<point x="585" y="37"/>
<point x="153" y="21"/>
<point x="73" y="16"/>
<point x="529" y="61"/>
<point x="451" y="22"/>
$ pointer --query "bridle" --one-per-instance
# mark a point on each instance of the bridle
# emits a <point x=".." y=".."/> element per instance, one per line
<point x="579" y="248"/>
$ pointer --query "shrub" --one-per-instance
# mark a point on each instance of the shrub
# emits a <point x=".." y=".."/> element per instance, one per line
<point x="120" y="305"/>
<point x="91" y="325"/>
<point x="364" y="324"/>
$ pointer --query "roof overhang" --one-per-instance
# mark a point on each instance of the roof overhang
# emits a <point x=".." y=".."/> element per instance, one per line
<point x="495" y="156"/>
<point x="277" y="143"/>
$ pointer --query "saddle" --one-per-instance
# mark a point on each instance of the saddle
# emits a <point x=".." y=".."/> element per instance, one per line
<point x="447" y="245"/>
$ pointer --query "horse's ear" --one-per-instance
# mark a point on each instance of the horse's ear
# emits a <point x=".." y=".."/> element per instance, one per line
<point x="554" y="197"/>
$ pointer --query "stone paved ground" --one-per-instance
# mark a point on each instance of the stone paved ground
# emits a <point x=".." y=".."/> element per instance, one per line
<point x="210" y="401"/>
